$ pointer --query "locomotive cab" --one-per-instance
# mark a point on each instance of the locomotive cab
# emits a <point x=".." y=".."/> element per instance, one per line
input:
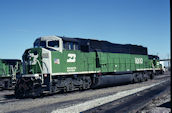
<point x="51" y="43"/>
<point x="38" y="60"/>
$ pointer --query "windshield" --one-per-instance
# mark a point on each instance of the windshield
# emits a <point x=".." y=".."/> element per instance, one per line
<point x="53" y="44"/>
<point x="41" y="44"/>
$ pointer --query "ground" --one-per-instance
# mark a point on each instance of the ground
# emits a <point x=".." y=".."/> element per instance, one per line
<point x="161" y="104"/>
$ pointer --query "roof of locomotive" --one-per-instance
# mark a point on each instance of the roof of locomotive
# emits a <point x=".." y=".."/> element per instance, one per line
<point x="105" y="46"/>
<point x="100" y="45"/>
<point x="69" y="39"/>
<point x="47" y="38"/>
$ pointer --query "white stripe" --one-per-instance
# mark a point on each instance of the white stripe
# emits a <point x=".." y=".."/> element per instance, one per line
<point x="77" y="108"/>
<point x="83" y="72"/>
<point x="147" y="69"/>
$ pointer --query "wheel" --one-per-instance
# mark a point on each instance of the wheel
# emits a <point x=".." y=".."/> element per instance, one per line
<point x="65" y="89"/>
<point x="18" y="93"/>
<point x="6" y="84"/>
<point x="152" y="76"/>
<point x="135" y="78"/>
<point x="145" y="76"/>
<point x="36" y="91"/>
<point x="149" y="75"/>
<point x="81" y="88"/>
<point x="141" y="76"/>
<point x="87" y="83"/>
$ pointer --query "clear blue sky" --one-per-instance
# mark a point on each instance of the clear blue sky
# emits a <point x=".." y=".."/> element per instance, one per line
<point x="142" y="22"/>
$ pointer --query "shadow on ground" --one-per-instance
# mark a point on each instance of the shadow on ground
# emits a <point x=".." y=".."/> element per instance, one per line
<point x="167" y="105"/>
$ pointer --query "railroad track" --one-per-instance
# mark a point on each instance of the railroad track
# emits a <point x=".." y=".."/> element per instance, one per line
<point x="3" y="101"/>
<point x="132" y="103"/>
<point x="30" y="105"/>
<point x="7" y="98"/>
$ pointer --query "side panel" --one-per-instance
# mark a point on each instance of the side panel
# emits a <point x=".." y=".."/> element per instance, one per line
<point x="73" y="62"/>
<point x="76" y="62"/>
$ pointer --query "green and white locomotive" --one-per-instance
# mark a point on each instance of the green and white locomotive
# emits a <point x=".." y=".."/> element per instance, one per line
<point x="9" y="70"/>
<point x="65" y="64"/>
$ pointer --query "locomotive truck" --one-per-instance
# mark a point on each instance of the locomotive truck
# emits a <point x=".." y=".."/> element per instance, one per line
<point x="57" y="63"/>
<point x="9" y="70"/>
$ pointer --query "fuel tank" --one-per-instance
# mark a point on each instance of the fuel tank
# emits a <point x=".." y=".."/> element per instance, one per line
<point x="111" y="80"/>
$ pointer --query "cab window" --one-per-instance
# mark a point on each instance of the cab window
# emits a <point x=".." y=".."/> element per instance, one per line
<point x="41" y="44"/>
<point x="54" y="44"/>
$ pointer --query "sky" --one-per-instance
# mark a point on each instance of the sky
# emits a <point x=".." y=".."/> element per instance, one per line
<point x="141" y="22"/>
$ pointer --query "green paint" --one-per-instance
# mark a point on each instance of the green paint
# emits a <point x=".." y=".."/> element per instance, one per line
<point x="8" y="69"/>
<point x="109" y="62"/>
<point x="77" y="62"/>
<point x="32" y="69"/>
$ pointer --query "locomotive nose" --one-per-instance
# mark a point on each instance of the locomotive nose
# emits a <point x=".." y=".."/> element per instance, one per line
<point x="31" y="61"/>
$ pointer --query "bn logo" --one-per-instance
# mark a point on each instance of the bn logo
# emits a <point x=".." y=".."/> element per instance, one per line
<point x="71" y="57"/>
